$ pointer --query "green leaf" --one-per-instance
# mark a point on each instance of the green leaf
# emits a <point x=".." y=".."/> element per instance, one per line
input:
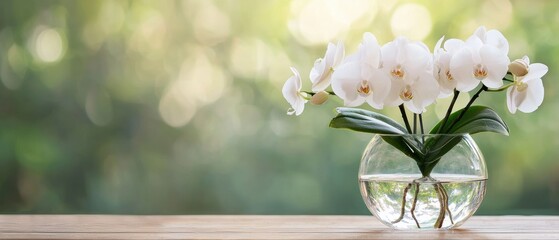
<point x="476" y="119"/>
<point x="372" y="122"/>
<point x="405" y="146"/>
<point x="365" y="121"/>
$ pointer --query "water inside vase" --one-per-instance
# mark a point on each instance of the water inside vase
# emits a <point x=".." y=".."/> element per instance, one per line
<point x="407" y="202"/>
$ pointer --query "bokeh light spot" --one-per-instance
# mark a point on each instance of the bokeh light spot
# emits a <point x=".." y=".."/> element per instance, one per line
<point x="317" y="22"/>
<point x="496" y="14"/>
<point x="200" y="82"/>
<point x="210" y="24"/>
<point x="411" y="20"/>
<point x="250" y="58"/>
<point x="175" y="108"/>
<point x="49" y="46"/>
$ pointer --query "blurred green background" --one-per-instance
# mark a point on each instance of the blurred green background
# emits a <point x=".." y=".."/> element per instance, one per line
<point x="175" y="107"/>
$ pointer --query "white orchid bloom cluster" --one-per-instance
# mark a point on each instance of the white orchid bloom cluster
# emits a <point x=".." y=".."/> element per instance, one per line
<point x="404" y="72"/>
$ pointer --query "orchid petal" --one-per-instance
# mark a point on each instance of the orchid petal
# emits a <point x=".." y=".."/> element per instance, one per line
<point x="388" y="53"/>
<point x="393" y="98"/>
<point x="317" y="75"/>
<point x="417" y="60"/>
<point x="461" y="68"/>
<point x="425" y="91"/>
<point x="357" y="102"/>
<point x="452" y="45"/>
<point x="474" y="43"/>
<point x="496" y="39"/>
<point x="518" y="96"/>
<point x="535" y="71"/>
<point x="438" y="45"/>
<point x="330" y="54"/>
<point x="345" y="81"/>
<point x="297" y="76"/>
<point x="380" y="83"/>
<point x="496" y="64"/>
<point x="410" y="105"/>
<point x="322" y="70"/>
<point x="534" y="96"/>
<point x="371" y="50"/>
<point x="299" y="106"/>
<point x="481" y="33"/>
<point x="510" y="99"/>
<point x="291" y="92"/>
<point x="339" y="54"/>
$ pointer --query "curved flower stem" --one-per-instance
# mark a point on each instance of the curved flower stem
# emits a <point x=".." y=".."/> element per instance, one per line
<point x="313" y="93"/>
<point x="421" y="126"/>
<point x="414" y="123"/>
<point x="445" y="195"/>
<point x="483" y="88"/>
<point x="501" y="88"/>
<point x="403" y="112"/>
<point x="403" y="209"/>
<point x="309" y="93"/>
<point x="421" y="123"/>
<point x="412" y="210"/>
<point x="449" y="110"/>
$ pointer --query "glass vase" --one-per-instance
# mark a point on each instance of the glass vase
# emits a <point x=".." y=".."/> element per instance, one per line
<point x="436" y="182"/>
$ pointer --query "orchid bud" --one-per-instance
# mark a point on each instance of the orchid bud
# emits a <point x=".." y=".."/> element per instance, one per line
<point x="319" y="98"/>
<point x="518" y="67"/>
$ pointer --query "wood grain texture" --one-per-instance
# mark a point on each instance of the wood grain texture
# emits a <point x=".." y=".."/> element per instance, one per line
<point x="262" y="227"/>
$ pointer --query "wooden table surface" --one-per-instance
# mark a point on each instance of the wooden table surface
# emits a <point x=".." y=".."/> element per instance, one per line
<point x="262" y="227"/>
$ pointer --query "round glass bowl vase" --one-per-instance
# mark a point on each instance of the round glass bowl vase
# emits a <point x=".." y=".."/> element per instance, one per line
<point x="403" y="195"/>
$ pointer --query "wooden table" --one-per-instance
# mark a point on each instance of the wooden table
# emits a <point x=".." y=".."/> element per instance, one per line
<point x="262" y="227"/>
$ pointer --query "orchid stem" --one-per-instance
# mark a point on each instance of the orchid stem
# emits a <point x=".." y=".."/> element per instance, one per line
<point x="313" y="93"/>
<point x="449" y="111"/>
<point x="415" y="123"/>
<point x="404" y="116"/>
<point x="421" y="127"/>
<point x="501" y="88"/>
<point x="421" y="123"/>
<point x="483" y="88"/>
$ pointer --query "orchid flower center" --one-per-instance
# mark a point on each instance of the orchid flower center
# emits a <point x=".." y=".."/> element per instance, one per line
<point x="521" y="86"/>
<point x="364" y="89"/>
<point x="398" y="72"/>
<point x="406" y="94"/>
<point x="480" y="72"/>
<point x="449" y="76"/>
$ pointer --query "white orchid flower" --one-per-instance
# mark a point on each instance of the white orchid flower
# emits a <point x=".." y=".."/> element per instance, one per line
<point x="527" y="92"/>
<point x="442" y="56"/>
<point x="359" y="79"/>
<point x="493" y="38"/>
<point x="417" y="95"/>
<point x="483" y="59"/>
<point x="321" y="72"/>
<point x="292" y="93"/>
<point x="410" y="67"/>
